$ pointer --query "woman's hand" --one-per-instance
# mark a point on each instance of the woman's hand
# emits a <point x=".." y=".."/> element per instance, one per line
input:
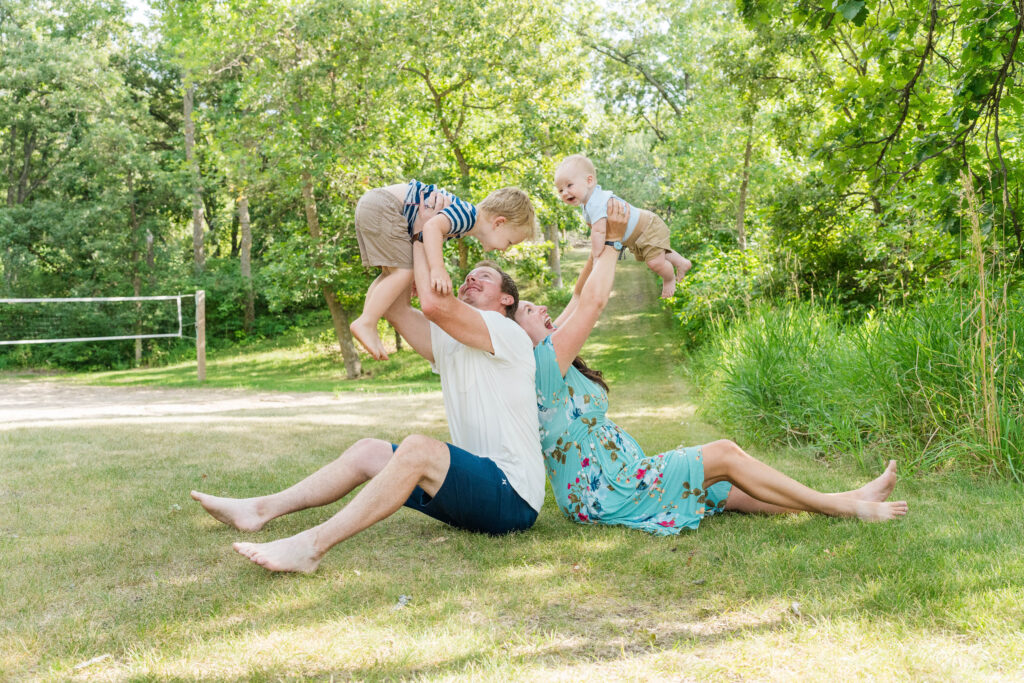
<point x="618" y="219"/>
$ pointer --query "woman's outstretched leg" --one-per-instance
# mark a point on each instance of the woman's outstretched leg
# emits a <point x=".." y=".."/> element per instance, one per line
<point x="878" y="490"/>
<point x="359" y="463"/>
<point x="768" y="490"/>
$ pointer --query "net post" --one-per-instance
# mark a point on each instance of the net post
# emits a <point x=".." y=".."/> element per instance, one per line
<point x="201" y="335"/>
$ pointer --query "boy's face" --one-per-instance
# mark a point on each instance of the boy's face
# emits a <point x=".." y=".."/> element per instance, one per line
<point x="500" y="235"/>
<point x="573" y="184"/>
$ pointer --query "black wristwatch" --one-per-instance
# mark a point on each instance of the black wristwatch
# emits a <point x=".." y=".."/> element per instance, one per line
<point x="614" y="244"/>
<point x="417" y="237"/>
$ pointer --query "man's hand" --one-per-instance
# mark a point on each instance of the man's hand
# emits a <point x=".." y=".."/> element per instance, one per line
<point x="618" y="219"/>
<point x="434" y="203"/>
<point x="440" y="282"/>
<point x="431" y="205"/>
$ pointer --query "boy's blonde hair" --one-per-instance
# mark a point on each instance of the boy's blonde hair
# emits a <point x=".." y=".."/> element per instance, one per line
<point x="515" y="206"/>
<point x="581" y="162"/>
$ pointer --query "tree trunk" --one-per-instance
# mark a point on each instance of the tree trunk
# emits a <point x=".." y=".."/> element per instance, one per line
<point x="398" y="338"/>
<point x="353" y="367"/>
<point x="150" y="259"/>
<point x="245" y="262"/>
<point x="554" y="258"/>
<point x="741" y="233"/>
<point x="136" y="260"/>
<point x="198" y="255"/>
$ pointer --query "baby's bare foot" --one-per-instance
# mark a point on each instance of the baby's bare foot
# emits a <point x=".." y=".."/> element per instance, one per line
<point x="668" y="288"/>
<point x="241" y="513"/>
<point x="870" y="511"/>
<point x="365" y="332"/>
<point x="293" y="554"/>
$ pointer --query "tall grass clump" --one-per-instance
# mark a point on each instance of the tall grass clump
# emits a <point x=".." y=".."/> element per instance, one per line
<point x="906" y="384"/>
<point x="937" y="384"/>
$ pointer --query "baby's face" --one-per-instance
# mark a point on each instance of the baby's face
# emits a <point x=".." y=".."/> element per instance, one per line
<point x="573" y="184"/>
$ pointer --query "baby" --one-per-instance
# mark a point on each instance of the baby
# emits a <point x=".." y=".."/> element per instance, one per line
<point x="385" y="222"/>
<point x="646" y="234"/>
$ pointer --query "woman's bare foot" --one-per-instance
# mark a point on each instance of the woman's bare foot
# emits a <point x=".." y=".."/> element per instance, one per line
<point x="241" y="513"/>
<point x="880" y="488"/>
<point x="870" y="511"/>
<point x="365" y="332"/>
<point x="293" y="554"/>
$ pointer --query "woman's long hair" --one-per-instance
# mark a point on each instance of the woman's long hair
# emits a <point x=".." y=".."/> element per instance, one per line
<point x="594" y="376"/>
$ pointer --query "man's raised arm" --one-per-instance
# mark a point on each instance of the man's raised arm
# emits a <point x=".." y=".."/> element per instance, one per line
<point x="460" y="320"/>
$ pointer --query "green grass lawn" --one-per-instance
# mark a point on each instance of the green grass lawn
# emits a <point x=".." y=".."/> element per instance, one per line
<point x="303" y="365"/>
<point x="104" y="555"/>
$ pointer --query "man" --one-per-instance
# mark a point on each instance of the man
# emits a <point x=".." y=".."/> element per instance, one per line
<point x="491" y="480"/>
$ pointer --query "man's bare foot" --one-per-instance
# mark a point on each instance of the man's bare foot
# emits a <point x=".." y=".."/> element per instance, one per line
<point x="293" y="554"/>
<point x="668" y="288"/>
<point x="365" y="332"/>
<point x="241" y="513"/>
<point x="870" y="511"/>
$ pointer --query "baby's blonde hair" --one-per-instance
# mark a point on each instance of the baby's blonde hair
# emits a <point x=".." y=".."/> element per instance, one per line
<point x="515" y="206"/>
<point x="581" y="162"/>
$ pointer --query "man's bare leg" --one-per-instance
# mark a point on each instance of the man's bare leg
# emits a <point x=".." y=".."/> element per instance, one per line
<point x="419" y="461"/>
<point x="725" y="461"/>
<point x="383" y="292"/>
<point x="359" y="463"/>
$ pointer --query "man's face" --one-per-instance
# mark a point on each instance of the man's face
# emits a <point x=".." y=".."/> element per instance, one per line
<point x="482" y="289"/>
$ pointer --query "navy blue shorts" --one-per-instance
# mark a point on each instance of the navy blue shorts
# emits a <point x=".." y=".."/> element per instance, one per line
<point x="475" y="496"/>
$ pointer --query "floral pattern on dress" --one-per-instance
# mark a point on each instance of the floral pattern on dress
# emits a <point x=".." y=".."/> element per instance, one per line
<point x="599" y="473"/>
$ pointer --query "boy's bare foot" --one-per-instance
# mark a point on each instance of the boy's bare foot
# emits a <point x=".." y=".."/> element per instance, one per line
<point x="293" y="554"/>
<point x="668" y="288"/>
<point x="870" y="511"/>
<point x="240" y="513"/>
<point x="365" y="332"/>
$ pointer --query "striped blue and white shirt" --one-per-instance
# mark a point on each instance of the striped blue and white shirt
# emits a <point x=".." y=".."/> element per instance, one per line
<point x="461" y="213"/>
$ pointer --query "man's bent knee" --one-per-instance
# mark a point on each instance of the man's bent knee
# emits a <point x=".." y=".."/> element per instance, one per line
<point x="426" y="457"/>
<point x="369" y="455"/>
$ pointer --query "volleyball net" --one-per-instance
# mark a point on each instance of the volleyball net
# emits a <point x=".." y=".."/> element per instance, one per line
<point x="92" y="319"/>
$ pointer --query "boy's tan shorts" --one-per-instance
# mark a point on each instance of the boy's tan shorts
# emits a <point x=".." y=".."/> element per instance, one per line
<point x="381" y="230"/>
<point x="652" y="239"/>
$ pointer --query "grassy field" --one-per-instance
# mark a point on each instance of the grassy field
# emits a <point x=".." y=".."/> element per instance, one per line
<point x="108" y="570"/>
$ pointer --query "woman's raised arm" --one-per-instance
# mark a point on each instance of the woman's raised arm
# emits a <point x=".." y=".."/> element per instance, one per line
<point x="589" y="297"/>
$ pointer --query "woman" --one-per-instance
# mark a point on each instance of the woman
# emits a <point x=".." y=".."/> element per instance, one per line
<point x="601" y="475"/>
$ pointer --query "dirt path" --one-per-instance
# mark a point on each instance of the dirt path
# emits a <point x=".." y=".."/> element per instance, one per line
<point x="36" y="403"/>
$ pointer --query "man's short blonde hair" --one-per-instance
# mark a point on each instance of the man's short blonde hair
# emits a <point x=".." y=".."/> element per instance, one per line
<point x="580" y="162"/>
<point x="515" y="206"/>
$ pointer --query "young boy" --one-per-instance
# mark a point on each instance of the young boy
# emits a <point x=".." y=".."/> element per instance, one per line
<point x="646" y="234"/>
<point x="385" y="222"/>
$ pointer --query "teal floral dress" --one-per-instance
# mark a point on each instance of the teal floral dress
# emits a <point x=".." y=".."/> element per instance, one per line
<point x="600" y="474"/>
